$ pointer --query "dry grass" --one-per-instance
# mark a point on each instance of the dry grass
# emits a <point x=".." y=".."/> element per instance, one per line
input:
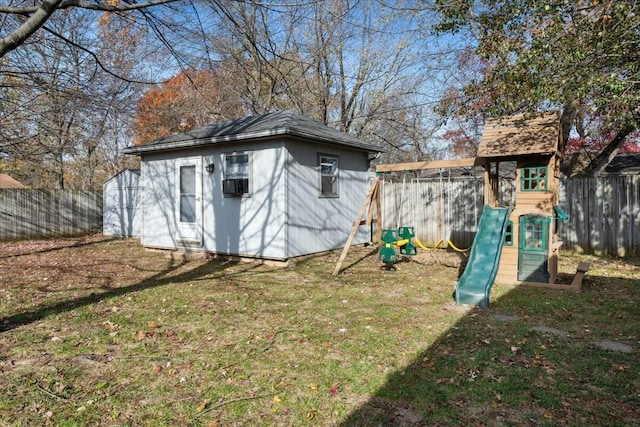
<point x="101" y="332"/>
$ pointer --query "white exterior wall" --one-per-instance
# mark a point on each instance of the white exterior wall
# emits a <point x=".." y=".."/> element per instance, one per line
<point x="159" y="225"/>
<point x="121" y="205"/>
<point x="251" y="226"/>
<point x="316" y="223"/>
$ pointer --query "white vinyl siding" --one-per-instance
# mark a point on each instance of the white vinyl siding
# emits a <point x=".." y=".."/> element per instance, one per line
<point x="317" y="224"/>
<point x="122" y="210"/>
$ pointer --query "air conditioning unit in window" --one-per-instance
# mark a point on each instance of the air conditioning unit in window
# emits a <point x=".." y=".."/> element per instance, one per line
<point x="235" y="187"/>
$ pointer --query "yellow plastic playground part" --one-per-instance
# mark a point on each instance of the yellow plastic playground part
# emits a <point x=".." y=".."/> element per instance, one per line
<point x="401" y="242"/>
<point x="449" y="242"/>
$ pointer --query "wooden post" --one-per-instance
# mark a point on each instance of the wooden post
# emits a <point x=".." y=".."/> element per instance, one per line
<point x="378" y="236"/>
<point x="583" y="267"/>
<point x="367" y="204"/>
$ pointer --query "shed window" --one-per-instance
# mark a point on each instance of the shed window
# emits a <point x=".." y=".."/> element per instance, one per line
<point x="328" y="166"/>
<point x="237" y="174"/>
<point x="533" y="178"/>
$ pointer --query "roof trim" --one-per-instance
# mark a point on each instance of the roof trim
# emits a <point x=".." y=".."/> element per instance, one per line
<point x="285" y="123"/>
<point x="197" y="142"/>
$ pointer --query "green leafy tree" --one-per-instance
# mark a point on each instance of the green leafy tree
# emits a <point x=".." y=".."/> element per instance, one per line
<point x="582" y="57"/>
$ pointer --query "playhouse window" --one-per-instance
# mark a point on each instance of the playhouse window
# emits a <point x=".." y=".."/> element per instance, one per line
<point x="533" y="178"/>
<point x="508" y="236"/>
<point x="237" y="174"/>
<point x="534" y="233"/>
<point x="328" y="167"/>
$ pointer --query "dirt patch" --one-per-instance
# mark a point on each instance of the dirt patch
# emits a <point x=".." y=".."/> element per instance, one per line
<point x="504" y="317"/>
<point x="441" y="257"/>
<point x="615" y="346"/>
<point x="552" y="331"/>
<point x="395" y="414"/>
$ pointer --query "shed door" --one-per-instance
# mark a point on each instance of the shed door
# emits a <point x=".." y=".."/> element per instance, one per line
<point x="533" y="253"/>
<point x="189" y="201"/>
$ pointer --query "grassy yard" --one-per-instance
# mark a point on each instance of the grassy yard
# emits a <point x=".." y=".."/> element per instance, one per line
<point x="98" y="331"/>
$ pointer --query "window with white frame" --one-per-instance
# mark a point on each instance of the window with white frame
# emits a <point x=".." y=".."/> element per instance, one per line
<point x="328" y="167"/>
<point x="237" y="174"/>
<point x="188" y="193"/>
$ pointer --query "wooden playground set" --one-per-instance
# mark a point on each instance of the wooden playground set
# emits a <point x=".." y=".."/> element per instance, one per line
<point x="516" y="241"/>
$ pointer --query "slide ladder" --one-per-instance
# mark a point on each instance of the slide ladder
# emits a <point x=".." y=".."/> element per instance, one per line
<point x="474" y="286"/>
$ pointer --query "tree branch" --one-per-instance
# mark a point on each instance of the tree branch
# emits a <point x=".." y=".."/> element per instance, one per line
<point x="599" y="162"/>
<point x="95" y="58"/>
<point x="40" y="15"/>
<point x="90" y="6"/>
<point x="28" y="27"/>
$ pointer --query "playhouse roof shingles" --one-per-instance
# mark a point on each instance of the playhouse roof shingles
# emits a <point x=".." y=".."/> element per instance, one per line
<point x="6" y="181"/>
<point x="520" y="135"/>
<point x="251" y="128"/>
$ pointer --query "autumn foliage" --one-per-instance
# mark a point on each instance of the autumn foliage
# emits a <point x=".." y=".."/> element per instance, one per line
<point x="189" y="99"/>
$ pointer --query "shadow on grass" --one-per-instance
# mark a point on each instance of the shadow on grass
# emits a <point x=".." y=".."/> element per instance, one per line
<point x="374" y="251"/>
<point x="496" y="367"/>
<point x="162" y="278"/>
<point x="50" y="245"/>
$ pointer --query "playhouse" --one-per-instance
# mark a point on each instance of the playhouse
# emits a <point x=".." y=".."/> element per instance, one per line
<point x="517" y="239"/>
<point x="531" y="147"/>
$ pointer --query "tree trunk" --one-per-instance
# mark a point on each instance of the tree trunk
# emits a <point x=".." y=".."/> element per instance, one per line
<point x="566" y="122"/>
<point x="599" y="162"/>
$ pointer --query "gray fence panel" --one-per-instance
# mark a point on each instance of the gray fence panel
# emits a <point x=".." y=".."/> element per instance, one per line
<point x="604" y="212"/>
<point x="33" y="214"/>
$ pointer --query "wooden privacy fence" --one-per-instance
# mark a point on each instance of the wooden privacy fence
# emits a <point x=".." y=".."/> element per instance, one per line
<point x="604" y="212"/>
<point x="32" y="214"/>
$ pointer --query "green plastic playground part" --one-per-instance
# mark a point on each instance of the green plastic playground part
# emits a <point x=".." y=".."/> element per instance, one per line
<point x="407" y="233"/>
<point x="389" y="235"/>
<point x="474" y="286"/>
<point x="388" y="253"/>
<point x="560" y="213"/>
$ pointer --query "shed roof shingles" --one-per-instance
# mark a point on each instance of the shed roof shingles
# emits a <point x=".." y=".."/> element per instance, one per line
<point x="255" y="128"/>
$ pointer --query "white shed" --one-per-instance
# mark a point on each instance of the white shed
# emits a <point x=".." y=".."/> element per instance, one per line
<point x="273" y="186"/>
<point x="122" y="212"/>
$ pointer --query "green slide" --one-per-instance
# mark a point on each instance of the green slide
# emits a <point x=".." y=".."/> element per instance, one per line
<point x="475" y="284"/>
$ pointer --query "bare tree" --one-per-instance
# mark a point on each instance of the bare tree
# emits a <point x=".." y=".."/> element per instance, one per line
<point x="61" y="108"/>
<point x="351" y="65"/>
<point x="20" y="22"/>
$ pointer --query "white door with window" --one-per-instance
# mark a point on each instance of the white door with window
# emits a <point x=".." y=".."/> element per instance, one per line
<point x="189" y="201"/>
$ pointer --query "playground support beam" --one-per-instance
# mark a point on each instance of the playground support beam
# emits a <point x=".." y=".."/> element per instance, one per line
<point x="435" y="164"/>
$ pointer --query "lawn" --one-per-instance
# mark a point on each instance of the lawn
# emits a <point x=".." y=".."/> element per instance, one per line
<point x="98" y="331"/>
